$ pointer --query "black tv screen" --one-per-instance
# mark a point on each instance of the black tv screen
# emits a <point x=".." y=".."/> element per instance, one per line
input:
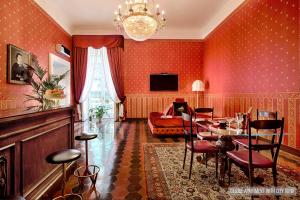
<point x="163" y="82"/>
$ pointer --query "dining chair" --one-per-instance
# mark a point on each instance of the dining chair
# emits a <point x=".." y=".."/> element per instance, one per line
<point x="266" y="115"/>
<point x="205" y="113"/>
<point x="250" y="159"/>
<point x="197" y="146"/>
<point x="260" y="115"/>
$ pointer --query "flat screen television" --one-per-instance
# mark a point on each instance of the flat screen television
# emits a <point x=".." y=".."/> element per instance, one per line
<point x="163" y="82"/>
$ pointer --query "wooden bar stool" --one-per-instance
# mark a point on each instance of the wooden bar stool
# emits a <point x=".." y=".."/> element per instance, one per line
<point x="87" y="171"/>
<point x="63" y="157"/>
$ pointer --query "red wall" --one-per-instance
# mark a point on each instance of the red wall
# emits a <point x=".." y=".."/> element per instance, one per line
<point x="256" y="49"/>
<point x="25" y="25"/>
<point x="252" y="59"/>
<point x="182" y="57"/>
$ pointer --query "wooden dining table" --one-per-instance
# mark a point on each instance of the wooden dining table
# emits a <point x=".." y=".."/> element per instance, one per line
<point x="226" y="143"/>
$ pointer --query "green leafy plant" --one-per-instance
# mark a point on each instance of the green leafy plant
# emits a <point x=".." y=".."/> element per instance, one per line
<point x="40" y="85"/>
<point x="97" y="112"/>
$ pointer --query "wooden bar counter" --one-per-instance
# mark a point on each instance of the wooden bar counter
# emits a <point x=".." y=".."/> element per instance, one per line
<point x="26" y="138"/>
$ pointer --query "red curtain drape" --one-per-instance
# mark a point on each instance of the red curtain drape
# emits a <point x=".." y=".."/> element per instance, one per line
<point x="114" y="59"/>
<point x="79" y="66"/>
<point x="98" y="41"/>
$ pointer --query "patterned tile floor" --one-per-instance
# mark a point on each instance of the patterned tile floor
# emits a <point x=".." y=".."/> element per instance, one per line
<point x="118" y="151"/>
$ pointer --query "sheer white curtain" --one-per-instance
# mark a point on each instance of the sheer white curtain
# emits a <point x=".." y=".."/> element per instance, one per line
<point x="108" y="80"/>
<point x="107" y="75"/>
<point x="91" y="64"/>
<point x="98" y="58"/>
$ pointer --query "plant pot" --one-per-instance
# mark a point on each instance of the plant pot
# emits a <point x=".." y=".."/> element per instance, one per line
<point x="98" y="120"/>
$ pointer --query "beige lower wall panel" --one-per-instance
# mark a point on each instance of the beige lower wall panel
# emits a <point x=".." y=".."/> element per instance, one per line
<point x="140" y="105"/>
<point x="284" y="103"/>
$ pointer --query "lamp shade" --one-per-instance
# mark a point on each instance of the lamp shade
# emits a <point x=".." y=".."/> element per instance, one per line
<point x="197" y="86"/>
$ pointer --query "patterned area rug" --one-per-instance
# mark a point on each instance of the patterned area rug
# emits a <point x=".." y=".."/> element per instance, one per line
<point x="167" y="180"/>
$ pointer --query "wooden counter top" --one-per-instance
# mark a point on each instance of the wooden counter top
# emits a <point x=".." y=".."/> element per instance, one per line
<point x="22" y="112"/>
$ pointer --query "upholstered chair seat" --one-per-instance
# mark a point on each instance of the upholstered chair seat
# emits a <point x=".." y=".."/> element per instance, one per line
<point x="208" y="136"/>
<point x="242" y="158"/>
<point x="203" y="146"/>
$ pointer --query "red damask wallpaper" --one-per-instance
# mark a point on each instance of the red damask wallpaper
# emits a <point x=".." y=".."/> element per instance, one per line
<point x="255" y="49"/>
<point x="252" y="59"/>
<point x="25" y="25"/>
<point x="183" y="57"/>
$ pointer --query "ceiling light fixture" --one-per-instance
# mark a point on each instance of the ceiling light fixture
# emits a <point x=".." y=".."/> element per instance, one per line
<point x="140" y="19"/>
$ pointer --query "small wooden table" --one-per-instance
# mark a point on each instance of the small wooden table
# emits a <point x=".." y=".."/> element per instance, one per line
<point x="225" y="143"/>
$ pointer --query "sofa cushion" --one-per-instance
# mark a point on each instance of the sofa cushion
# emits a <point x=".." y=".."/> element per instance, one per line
<point x="179" y="100"/>
<point x="158" y="121"/>
<point x="168" y="110"/>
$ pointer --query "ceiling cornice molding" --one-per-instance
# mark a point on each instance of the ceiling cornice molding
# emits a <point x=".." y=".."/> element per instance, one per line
<point x="163" y="34"/>
<point x="221" y="16"/>
<point x="168" y="33"/>
<point x="55" y="15"/>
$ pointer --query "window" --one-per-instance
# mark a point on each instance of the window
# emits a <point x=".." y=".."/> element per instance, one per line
<point x="99" y="94"/>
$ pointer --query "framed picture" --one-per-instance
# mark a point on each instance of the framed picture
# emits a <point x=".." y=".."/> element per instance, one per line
<point x="58" y="66"/>
<point x="19" y="70"/>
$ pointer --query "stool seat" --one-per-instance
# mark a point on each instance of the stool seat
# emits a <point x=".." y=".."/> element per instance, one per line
<point x="63" y="156"/>
<point x="86" y="137"/>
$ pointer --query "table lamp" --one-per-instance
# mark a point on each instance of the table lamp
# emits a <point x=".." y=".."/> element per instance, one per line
<point x="197" y="86"/>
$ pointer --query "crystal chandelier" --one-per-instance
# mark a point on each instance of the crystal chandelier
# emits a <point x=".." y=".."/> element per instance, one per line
<point x="140" y="19"/>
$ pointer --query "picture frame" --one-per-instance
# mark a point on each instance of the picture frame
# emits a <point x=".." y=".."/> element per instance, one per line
<point x="19" y="70"/>
<point x="58" y="66"/>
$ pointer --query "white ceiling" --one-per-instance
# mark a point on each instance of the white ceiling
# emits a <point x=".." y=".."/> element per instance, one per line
<point x="186" y="19"/>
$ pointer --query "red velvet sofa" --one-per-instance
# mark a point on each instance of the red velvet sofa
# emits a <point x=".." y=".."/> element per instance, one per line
<point x="159" y="124"/>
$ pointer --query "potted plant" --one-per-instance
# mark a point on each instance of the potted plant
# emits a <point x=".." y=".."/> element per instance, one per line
<point x="44" y="88"/>
<point x="97" y="113"/>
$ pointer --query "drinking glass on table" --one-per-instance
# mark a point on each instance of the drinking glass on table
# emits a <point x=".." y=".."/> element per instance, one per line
<point x="239" y="119"/>
<point x="229" y="120"/>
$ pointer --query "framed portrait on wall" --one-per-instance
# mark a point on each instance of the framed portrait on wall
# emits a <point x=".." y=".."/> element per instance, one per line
<point x="19" y="70"/>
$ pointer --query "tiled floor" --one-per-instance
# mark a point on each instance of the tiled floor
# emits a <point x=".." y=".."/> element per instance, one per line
<point x="118" y="151"/>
